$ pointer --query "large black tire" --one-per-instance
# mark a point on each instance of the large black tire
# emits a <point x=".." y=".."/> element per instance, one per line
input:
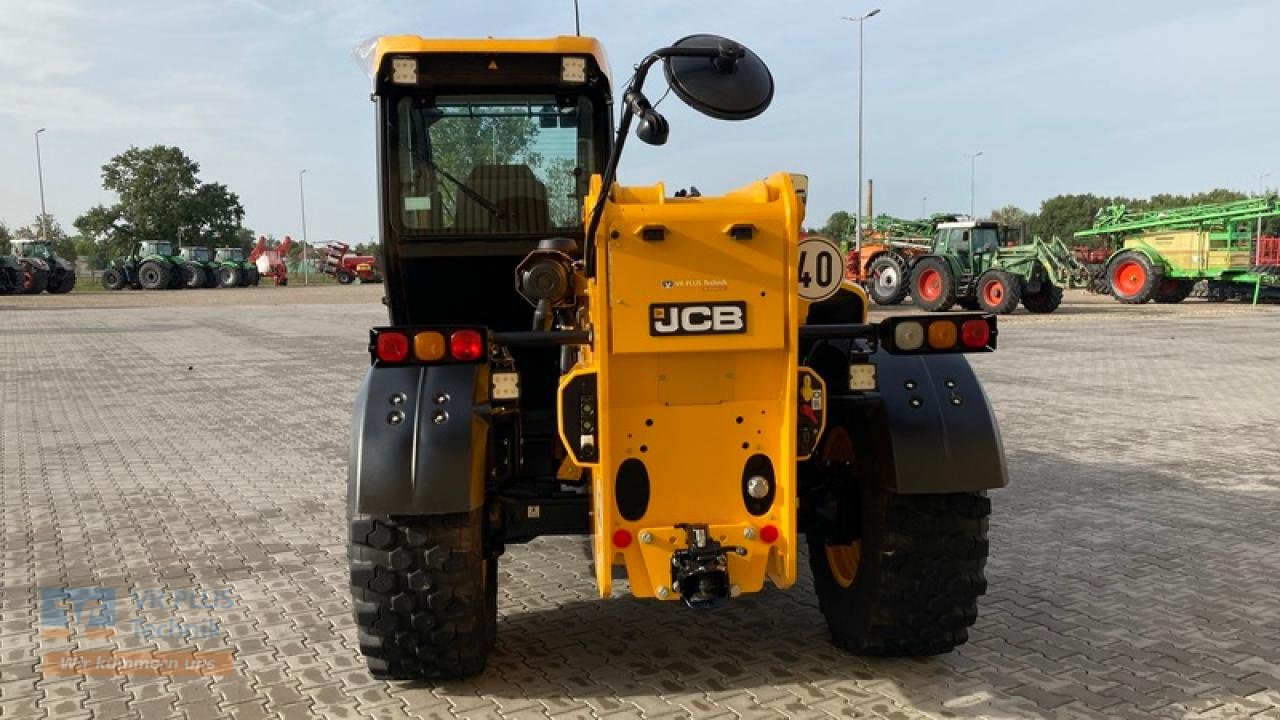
<point x="175" y="277"/>
<point x="228" y="276"/>
<point x="1174" y="290"/>
<point x="154" y="275"/>
<point x="113" y="279"/>
<point x="63" y="283"/>
<point x="1133" y="278"/>
<point x="999" y="292"/>
<point x="193" y="277"/>
<point x="888" y="279"/>
<point x="210" y="277"/>
<point x="251" y="277"/>
<point x="10" y="277"/>
<point x="918" y="577"/>
<point x="344" y="277"/>
<point x="933" y="287"/>
<point x="1046" y="300"/>
<point x="894" y="574"/>
<point x="425" y="595"/>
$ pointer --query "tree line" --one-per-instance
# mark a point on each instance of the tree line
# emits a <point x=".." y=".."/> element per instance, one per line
<point x="1064" y="215"/>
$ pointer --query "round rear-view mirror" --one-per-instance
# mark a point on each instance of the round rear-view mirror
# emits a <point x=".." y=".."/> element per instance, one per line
<point x="734" y="85"/>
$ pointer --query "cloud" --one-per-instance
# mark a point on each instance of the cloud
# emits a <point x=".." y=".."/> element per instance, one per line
<point x="37" y="40"/>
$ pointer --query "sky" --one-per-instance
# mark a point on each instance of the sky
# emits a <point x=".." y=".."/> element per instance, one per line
<point x="1118" y="98"/>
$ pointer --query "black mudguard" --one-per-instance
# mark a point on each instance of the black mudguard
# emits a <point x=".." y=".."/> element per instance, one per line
<point x="422" y="464"/>
<point x="929" y="428"/>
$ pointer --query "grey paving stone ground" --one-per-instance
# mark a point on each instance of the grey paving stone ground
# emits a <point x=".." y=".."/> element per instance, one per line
<point x="190" y="449"/>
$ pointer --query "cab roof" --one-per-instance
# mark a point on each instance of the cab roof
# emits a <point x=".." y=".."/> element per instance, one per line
<point x="559" y="45"/>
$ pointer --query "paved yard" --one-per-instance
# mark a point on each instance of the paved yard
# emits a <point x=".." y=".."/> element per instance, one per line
<point x="191" y="457"/>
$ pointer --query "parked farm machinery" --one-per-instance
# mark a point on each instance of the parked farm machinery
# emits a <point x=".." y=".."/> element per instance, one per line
<point x="882" y="263"/>
<point x="1159" y="255"/>
<point x="152" y="266"/>
<point x="198" y="268"/>
<point x="346" y="267"/>
<point x="43" y="269"/>
<point x="233" y="269"/>
<point x="270" y="261"/>
<point x="967" y="266"/>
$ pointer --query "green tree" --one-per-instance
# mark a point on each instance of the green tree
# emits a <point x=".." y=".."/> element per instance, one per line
<point x="1011" y="215"/>
<point x="91" y="250"/>
<point x="1063" y="215"/>
<point x="5" y="237"/>
<point x="160" y="197"/>
<point x="839" y="226"/>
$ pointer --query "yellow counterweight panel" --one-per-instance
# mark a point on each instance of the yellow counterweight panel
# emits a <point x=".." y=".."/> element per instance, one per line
<point x="695" y="405"/>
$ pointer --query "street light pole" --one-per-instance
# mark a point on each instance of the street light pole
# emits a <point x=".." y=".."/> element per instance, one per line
<point x="44" y="225"/>
<point x="973" y="175"/>
<point x="1261" y="191"/>
<point x="924" y="207"/>
<point x="857" y="241"/>
<point x="302" y="202"/>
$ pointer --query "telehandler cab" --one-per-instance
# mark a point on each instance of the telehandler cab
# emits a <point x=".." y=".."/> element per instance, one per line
<point x="679" y="377"/>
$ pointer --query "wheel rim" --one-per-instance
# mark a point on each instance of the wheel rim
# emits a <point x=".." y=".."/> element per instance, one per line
<point x="993" y="292"/>
<point x="842" y="560"/>
<point x="930" y="287"/>
<point x="887" y="279"/>
<point x="1130" y="277"/>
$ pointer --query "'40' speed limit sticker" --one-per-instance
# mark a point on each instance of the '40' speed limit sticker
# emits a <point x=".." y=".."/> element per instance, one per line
<point x="821" y="268"/>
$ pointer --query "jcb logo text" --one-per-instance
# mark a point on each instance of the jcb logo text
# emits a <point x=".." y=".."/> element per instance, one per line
<point x="698" y="318"/>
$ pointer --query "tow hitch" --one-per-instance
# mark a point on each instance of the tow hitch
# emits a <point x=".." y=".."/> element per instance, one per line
<point x="700" y="572"/>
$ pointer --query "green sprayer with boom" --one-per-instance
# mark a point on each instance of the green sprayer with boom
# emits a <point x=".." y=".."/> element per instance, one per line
<point x="1161" y="254"/>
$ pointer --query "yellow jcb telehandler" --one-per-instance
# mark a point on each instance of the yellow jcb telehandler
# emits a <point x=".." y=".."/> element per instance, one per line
<point x="680" y="378"/>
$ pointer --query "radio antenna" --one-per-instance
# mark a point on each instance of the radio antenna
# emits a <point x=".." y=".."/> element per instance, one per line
<point x="577" y="25"/>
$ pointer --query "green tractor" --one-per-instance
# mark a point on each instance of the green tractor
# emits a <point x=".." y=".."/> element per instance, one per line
<point x="152" y="266"/>
<point x="44" y="270"/>
<point x="233" y="269"/>
<point x="198" y="268"/>
<point x="967" y="266"/>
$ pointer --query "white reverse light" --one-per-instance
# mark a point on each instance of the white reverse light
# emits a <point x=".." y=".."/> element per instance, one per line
<point x="404" y="71"/>
<point x="573" y="69"/>
<point x="862" y="376"/>
<point x="506" y="386"/>
<point x="908" y="335"/>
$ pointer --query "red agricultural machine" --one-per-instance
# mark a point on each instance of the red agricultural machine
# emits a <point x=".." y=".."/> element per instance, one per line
<point x="270" y="261"/>
<point x="882" y="265"/>
<point x="347" y="267"/>
<point x="1267" y="256"/>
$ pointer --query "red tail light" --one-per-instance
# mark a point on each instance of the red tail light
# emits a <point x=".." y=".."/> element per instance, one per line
<point x="975" y="333"/>
<point x="621" y="538"/>
<point x="393" y="347"/>
<point x="769" y="533"/>
<point x="466" y="345"/>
